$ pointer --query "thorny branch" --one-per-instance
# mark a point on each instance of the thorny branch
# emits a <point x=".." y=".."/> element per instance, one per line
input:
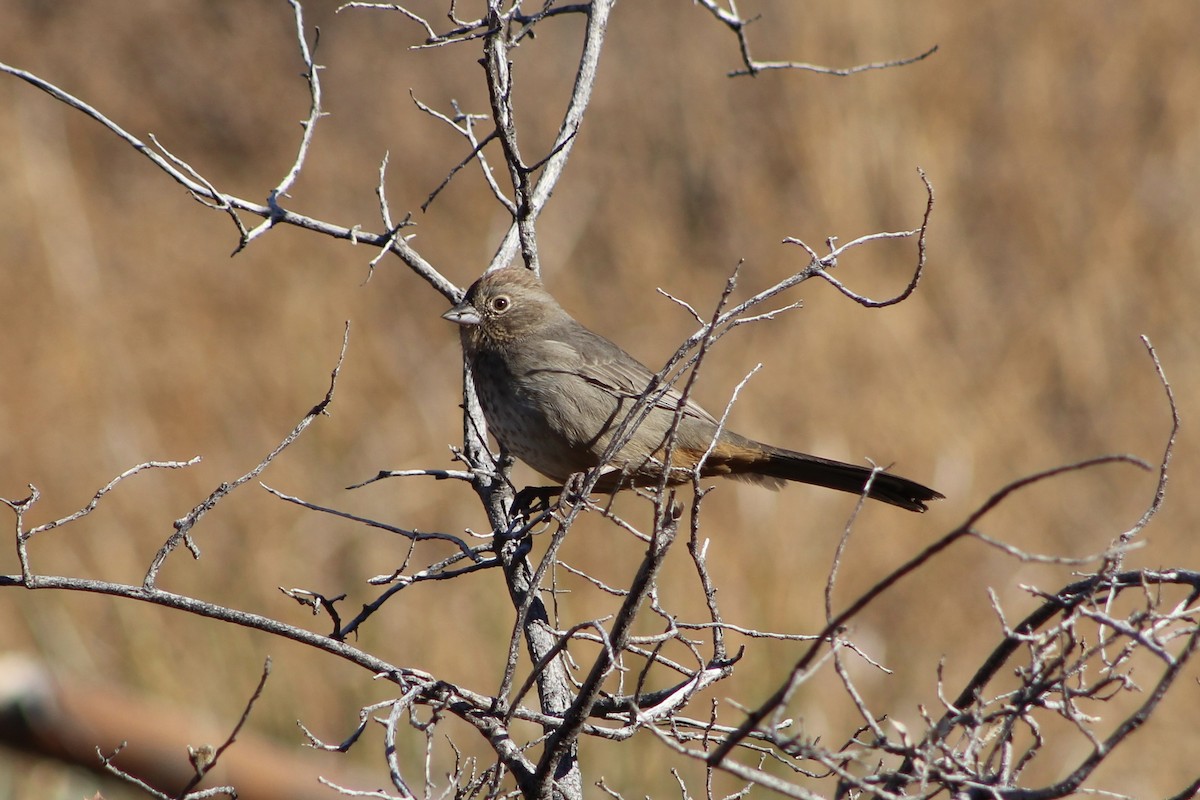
<point x="272" y="213"/>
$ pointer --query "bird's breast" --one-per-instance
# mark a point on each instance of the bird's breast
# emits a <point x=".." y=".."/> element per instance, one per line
<point x="524" y="414"/>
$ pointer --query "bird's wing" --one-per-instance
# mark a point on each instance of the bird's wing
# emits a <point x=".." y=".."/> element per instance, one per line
<point x="606" y="366"/>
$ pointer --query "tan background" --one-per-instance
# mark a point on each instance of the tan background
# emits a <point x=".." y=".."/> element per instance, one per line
<point x="1062" y="142"/>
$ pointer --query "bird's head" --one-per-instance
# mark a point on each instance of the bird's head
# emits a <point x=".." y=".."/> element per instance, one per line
<point x="504" y="306"/>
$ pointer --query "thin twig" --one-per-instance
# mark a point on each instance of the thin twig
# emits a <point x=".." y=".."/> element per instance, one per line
<point x="209" y="760"/>
<point x="309" y="126"/>
<point x="184" y="525"/>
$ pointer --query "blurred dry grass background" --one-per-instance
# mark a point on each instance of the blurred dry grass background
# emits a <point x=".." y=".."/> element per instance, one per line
<point x="1062" y="143"/>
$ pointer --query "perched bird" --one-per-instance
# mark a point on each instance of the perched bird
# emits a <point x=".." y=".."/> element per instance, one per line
<point x="554" y="393"/>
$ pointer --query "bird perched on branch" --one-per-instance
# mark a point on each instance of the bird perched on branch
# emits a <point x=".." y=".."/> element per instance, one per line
<point x="555" y="394"/>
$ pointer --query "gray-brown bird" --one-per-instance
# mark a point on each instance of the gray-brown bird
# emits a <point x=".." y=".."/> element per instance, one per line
<point x="554" y="393"/>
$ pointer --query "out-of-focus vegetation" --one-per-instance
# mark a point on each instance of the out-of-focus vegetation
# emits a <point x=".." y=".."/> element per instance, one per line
<point x="1062" y="143"/>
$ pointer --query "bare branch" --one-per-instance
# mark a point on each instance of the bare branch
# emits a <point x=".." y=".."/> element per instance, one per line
<point x="738" y="24"/>
<point x="1160" y="490"/>
<point x="756" y="67"/>
<point x="563" y="738"/>
<point x="830" y="261"/>
<point x="311" y="74"/>
<point x="205" y="759"/>
<point x="464" y="124"/>
<point x="802" y="665"/>
<point x="21" y="507"/>
<point x="203" y="189"/>
<point x="416" y="536"/>
<point x="585" y="78"/>
<point x="183" y="526"/>
<point x="437" y="474"/>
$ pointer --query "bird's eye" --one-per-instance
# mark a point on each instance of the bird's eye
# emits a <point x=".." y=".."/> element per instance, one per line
<point x="500" y="304"/>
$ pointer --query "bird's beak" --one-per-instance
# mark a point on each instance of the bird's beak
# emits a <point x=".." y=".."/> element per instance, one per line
<point x="463" y="314"/>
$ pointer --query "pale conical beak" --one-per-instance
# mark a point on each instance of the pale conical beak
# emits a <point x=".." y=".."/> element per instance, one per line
<point x="463" y="314"/>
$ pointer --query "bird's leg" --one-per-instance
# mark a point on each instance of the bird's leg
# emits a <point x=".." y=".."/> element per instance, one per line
<point x="533" y="500"/>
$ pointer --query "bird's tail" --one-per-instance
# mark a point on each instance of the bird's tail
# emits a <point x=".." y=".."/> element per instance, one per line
<point x="775" y="465"/>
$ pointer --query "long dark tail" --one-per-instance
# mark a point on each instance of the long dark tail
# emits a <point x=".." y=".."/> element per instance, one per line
<point x="789" y="465"/>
